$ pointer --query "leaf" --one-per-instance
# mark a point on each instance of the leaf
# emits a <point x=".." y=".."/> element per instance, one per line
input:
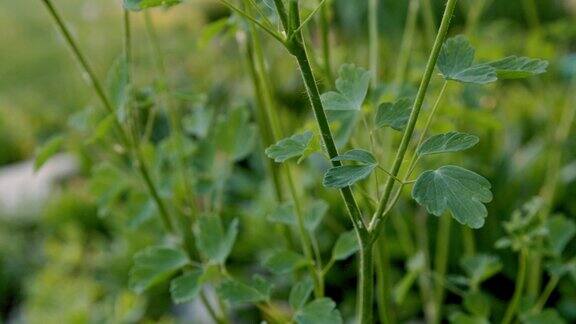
<point x="461" y="191"/>
<point x="347" y="175"/>
<point x="291" y="147"/>
<point x="234" y="134"/>
<point x="515" y="67"/>
<point x="186" y="287"/>
<point x="48" y="150"/>
<point x="394" y="115"/>
<point x="352" y="86"/>
<point x="456" y="63"/>
<point x="547" y="316"/>
<point x="300" y="293"/>
<point x="560" y="231"/>
<point x="449" y="142"/>
<point x="211" y="239"/>
<point x="117" y="83"/>
<point x="319" y="311"/>
<point x="284" y="214"/>
<point x="461" y="318"/>
<point x="480" y="267"/>
<point x="154" y="265"/>
<point x="346" y="245"/>
<point x="477" y="304"/>
<point x="284" y="261"/>
<point x="137" y="5"/>
<point x="236" y="292"/>
<point x="314" y="214"/>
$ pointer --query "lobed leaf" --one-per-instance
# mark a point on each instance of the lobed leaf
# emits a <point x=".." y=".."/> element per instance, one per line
<point x="293" y="146"/>
<point x="456" y="63"/>
<point x="186" y="287"/>
<point x="347" y="175"/>
<point x="346" y="245"/>
<point x="300" y="293"/>
<point x="515" y="67"/>
<point x="352" y="87"/>
<point x="213" y="241"/>
<point x="236" y="292"/>
<point x="285" y="261"/>
<point x="319" y="311"/>
<point x="394" y="115"/>
<point x="449" y="142"/>
<point x="153" y="265"/>
<point x="461" y="191"/>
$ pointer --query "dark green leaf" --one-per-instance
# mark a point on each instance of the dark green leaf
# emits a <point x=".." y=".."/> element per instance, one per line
<point x="237" y="292"/>
<point x="356" y="155"/>
<point x="137" y="5"/>
<point x="291" y="147"/>
<point x="48" y="150"/>
<point x="514" y="67"/>
<point x="347" y="175"/>
<point x="284" y="261"/>
<point x="346" y="245"/>
<point x="456" y="63"/>
<point x="300" y="293"/>
<point x="394" y="115"/>
<point x="213" y="241"/>
<point x="319" y="311"/>
<point x="352" y="86"/>
<point x="186" y="287"/>
<point x="153" y="265"/>
<point x="461" y="191"/>
<point x="449" y="142"/>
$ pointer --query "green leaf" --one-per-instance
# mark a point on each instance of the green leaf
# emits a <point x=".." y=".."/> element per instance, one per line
<point x="319" y="311"/>
<point x="548" y="316"/>
<point x="461" y="191"/>
<point x="352" y="86"/>
<point x="347" y="175"/>
<point x="314" y="214"/>
<point x="48" y="150"/>
<point x="449" y="142"/>
<point x="480" y="267"/>
<point x="346" y="245"/>
<point x="456" y="63"/>
<point x="477" y="304"/>
<point x="461" y="318"/>
<point x="117" y="83"/>
<point x="186" y="287"/>
<point x="137" y="5"/>
<point x="284" y="261"/>
<point x="291" y="147"/>
<point x="236" y="292"/>
<point x="560" y="231"/>
<point x="284" y="214"/>
<point x="234" y="134"/>
<point x="394" y="115"/>
<point x="154" y="265"/>
<point x="300" y="293"/>
<point x="515" y="67"/>
<point x="213" y="241"/>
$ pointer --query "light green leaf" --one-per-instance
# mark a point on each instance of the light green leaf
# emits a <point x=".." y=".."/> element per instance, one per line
<point x="456" y="63"/>
<point x="394" y="115"/>
<point x="449" y="142"/>
<point x="548" y="316"/>
<point x="186" y="287"/>
<point x="515" y="67"/>
<point x="284" y="261"/>
<point x="234" y="134"/>
<point x="347" y="175"/>
<point x="137" y="5"/>
<point x="213" y="241"/>
<point x="117" y="83"/>
<point x="290" y="147"/>
<point x="346" y="245"/>
<point x="352" y="87"/>
<point x="284" y="214"/>
<point x="461" y="191"/>
<point x="314" y="214"/>
<point x="480" y="267"/>
<point x="560" y="231"/>
<point x="48" y="150"/>
<point x="236" y="292"/>
<point x="154" y="265"/>
<point x="319" y="311"/>
<point x="300" y="293"/>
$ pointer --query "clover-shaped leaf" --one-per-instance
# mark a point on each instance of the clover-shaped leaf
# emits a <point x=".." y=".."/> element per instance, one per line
<point x="456" y="62"/>
<point x="154" y="265"/>
<point x="347" y="175"/>
<point x="516" y="67"/>
<point x="449" y="142"/>
<point x="394" y="115"/>
<point x="137" y="5"/>
<point x="319" y="311"/>
<point x="461" y="191"/>
<point x="291" y="147"/>
<point x="352" y="87"/>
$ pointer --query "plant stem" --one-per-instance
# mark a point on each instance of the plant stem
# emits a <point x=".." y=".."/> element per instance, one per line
<point x="441" y="262"/>
<point x="383" y="284"/>
<point x="519" y="288"/>
<point x="326" y="51"/>
<point x="374" y="41"/>
<point x="424" y="283"/>
<point x="429" y="20"/>
<point x="366" y="284"/>
<point x="531" y="12"/>
<point x="376" y="222"/>
<point x="550" y="286"/>
<point x="406" y="45"/>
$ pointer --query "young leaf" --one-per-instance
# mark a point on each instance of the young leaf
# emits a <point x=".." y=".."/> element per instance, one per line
<point x="514" y="67"/>
<point x="186" y="287"/>
<point x="153" y="265"/>
<point x="352" y="86"/>
<point x="300" y="293"/>
<point x="137" y="5"/>
<point x="290" y="147"/>
<point x="48" y="150"/>
<point x="236" y="292"/>
<point x="449" y="142"/>
<point x="319" y="311"/>
<point x="212" y="240"/>
<point x="346" y="245"/>
<point x="461" y="191"/>
<point x="394" y="115"/>
<point x="456" y="63"/>
<point x="347" y="175"/>
<point x="284" y="261"/>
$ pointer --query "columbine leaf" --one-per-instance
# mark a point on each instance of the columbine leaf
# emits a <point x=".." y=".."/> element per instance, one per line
<point x="352" y="86"/>
<point x="237" y="292"/>
<point x="347" y="175"/>
<point x="186" y="287"/>
<point x="153" y="265"/>
<point x="515" y="67"/>
<point x="300" y="293"/>
<point x="213" y="241"/>
<point x="319" y="311"/>
<point x="480" y="267"/>
<point x="284" y="261"/>
<point x="461" y="191"/>
<point x="346" y="245"/>
<point x="394" y="115"/>
<point x="48" y="150"/>
<point x="456" y="63"/>
<point x="293" y="146"/>
<point x="449" y="142"/>
<point x="137" y="5"/>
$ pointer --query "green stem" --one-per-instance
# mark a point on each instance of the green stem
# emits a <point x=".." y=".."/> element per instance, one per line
<point x="383" y="281"/>
<point x="429" y="20"/>
<point x="406" y="46"/>
<point x="377" y="222"/>
<point x="326" y="50"/>
<point x="441" y="263"/>
<point x="366" y="291"/>
<point x="519" y="288"/>
<point x="468" y="241"/>
<point x="531" y="11"/>
<point x="424" y="282"/>
<point x="550" y="286"/>
<point x="374" y="41"/>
